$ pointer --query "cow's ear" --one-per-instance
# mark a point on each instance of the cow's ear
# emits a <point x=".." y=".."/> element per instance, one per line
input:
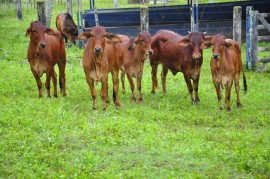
<point x="114" y="38"/>
<point x="28" y="31"/>
<point x="207" y="42"/>
<point x="184" y="42"/>
<point x="49" y="31"/>
<point x="228" y="44"/>
<point x="84" y="36"/>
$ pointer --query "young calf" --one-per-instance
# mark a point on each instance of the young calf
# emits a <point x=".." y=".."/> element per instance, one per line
<point x="46" y="48"/>
<point x="100" y="58"/>
<point x="226" y="65"/>
<point x="133" y="53"/>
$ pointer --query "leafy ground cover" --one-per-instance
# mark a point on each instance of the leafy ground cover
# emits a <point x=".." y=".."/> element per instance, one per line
<point x="165" y="136"/>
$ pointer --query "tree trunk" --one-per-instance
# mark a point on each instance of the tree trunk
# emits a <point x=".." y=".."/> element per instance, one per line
<point x="19" y="10"/>
<point x="48" y="8"/>
<point x="69" y="7"/>
<point x="41" y="11"/>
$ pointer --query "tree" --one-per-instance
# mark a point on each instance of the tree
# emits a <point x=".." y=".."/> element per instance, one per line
<point x="48" y="10"/>
<point x="19" y="10"/>
<point x="69" y="7"/>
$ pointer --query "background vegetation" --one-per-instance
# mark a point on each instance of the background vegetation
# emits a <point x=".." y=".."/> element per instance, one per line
<point x="163" y="137"/>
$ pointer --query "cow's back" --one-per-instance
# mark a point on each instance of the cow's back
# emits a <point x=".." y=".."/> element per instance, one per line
<point x="233" y="56"/>
<point x="167" y="51"/>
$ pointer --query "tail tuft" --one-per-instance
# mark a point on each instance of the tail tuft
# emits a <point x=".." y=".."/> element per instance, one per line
<point x="245" y="83"/>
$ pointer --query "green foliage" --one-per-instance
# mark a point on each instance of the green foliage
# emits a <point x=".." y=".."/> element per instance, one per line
<point x="165" y="136"/>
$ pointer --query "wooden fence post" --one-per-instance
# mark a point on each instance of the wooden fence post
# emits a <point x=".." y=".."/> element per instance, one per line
<point x="237" y="24"/>
<point x="192" y="24"/>
<point x="251" y="53"/>
<point x="96" y="16"/>
<point x="144" y="18"/>
<point x="41" y="11"/>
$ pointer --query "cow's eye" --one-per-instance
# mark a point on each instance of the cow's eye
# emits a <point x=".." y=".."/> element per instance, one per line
<point x="34" y="31"/>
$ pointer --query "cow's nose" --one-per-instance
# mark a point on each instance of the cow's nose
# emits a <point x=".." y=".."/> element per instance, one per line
<point x="215" y="56"/>
<point x="97" y="50"/>
<point x="42" y="45"/>
<point x="197" y="56"/>
<point x="150" y="52"/>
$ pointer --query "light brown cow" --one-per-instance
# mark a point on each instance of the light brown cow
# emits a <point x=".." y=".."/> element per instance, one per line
<point x="46" y="48"/>
<point x="66" y="25"/>
<point x="99" y="58"/>
<point x="178" y="54"/>
<point x="133" y="53"/>
<point x="226" y="66"/>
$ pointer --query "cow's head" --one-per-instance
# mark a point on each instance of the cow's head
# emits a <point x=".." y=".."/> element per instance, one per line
<point x="73" y="34"/>
<point x="219" y="42"/>
<point x="97" y="39"/>
<point x="143" y="43"/>
<point x="195" y="40"/>
<point x="37" y="33"/>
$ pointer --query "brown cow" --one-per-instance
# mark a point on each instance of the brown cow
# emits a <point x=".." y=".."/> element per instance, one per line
<point x="133" y="53"/>
<point x="179" y="54"/>
<point x="46" y="48"/>
<point x="226" y="66"/>
<point x="66" y="25"/>
<point x="99" y="58"/>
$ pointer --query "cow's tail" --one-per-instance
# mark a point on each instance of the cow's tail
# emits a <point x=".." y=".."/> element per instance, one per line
<point x="244" y="81"/>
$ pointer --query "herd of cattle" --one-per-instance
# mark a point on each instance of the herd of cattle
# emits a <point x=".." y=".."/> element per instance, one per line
<point x="106" y="53"/>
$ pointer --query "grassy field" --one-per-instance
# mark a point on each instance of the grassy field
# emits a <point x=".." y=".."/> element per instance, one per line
<point x="163" y="137"/>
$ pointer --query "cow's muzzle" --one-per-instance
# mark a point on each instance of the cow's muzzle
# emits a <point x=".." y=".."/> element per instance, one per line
<point x="215" y="56"/>
<point x="97" y="50"/>
<point x="150" y="52"/>
<point x="197" y="56"/>
<point x="42" y="45"/>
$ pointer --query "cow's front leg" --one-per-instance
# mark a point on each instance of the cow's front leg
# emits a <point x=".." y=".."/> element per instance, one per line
<point x="49" y="74"/>
<point x="196" y="89"/>
<point x="219" y="95"/>
<point x="189" y="86"/>
<point x="139" y="85"/>
<point x="103" y="92"/>
<point x="92" y="89"/>
<point x="132" y="86"/>
<point x="38" y="81"/>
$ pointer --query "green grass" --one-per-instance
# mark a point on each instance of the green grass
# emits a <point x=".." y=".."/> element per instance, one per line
<point x="163" y="137"/>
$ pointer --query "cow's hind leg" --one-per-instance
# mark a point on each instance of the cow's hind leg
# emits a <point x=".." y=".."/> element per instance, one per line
<point x="164" y="73"/>
<point x="62" y="76"/>
<point x="228" y="95"/>
<point x="54" y="79"/>
<point x="38" y="81"/>
<point x="237" y="90"/>
<point x="116" y="88"/>
<point x="154" y="77"/>
<point x="123" y="81"/>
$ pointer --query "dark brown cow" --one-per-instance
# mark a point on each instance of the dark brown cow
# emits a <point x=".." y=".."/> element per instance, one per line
<point x="133" y="53"/>
<point x="99" y="58"/>
<point x="179" y="54"/>
<point x="46" y="48"/>
<point x="66" y="25"/>
<point x="226" y="66"/>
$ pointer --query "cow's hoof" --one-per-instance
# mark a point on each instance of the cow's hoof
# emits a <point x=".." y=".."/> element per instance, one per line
<point x="55" y="96"/>
<point x="220" y="108"/>
<point x="238" y="105"/>
<point x="228" y="109"/>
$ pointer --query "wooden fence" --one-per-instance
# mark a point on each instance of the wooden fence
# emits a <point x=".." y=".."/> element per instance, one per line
<point x="256" y="22"/>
